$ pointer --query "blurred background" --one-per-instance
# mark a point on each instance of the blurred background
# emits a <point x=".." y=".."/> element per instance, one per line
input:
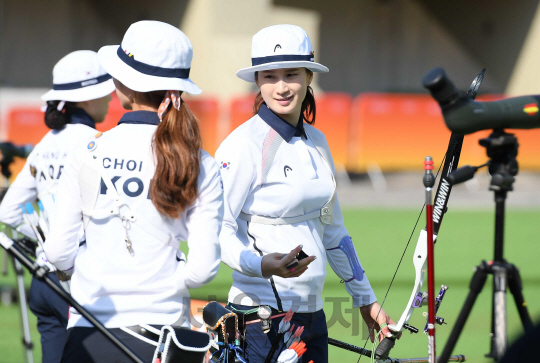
<point x="379" y="121"/>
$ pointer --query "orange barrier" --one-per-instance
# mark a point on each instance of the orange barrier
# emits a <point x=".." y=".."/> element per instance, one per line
<point x="395" y="131"/>
<point x="333" y="119"/>
<point x="240" y="110"/>
<point x="207" y="112"/>
<point x="26" y="125"/>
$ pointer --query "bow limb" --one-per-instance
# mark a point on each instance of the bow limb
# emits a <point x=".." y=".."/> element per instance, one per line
<point x="415" y="301"/>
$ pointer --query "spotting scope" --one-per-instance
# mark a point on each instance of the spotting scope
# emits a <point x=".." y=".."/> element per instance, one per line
<point x="463" y="115"/>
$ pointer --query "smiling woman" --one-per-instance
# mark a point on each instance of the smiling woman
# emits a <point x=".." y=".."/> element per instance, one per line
<point x="281" y="90"/>
<point x="280" y="192"/>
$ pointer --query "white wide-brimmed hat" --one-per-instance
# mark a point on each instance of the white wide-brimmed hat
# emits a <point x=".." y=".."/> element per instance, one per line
<point x="153" y="56"/>
<point x="280" y="46"/>
<point x="78" y="77"/>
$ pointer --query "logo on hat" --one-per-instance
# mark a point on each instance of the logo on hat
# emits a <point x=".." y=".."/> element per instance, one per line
<point x="89" y="82"/>
<point x="277" y="45"/>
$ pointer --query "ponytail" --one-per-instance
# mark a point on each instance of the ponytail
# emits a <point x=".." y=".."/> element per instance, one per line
<point x="308" y="109"/>
<point x="176" y="146"/>
<point x="56" y="119"/>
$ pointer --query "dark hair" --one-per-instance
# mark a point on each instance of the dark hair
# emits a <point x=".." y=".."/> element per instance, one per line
<point x="308" y="104"/>
<point x="176" y="146"/>
<point x="56" y="120"/>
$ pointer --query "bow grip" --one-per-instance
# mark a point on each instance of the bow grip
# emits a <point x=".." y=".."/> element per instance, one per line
<point x="384" y="348"/>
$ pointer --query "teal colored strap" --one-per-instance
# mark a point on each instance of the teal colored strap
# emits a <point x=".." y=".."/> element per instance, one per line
<point x="247" y="312"/>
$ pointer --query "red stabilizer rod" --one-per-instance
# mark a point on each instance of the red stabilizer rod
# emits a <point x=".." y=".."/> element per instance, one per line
<point x="429" y="181"/>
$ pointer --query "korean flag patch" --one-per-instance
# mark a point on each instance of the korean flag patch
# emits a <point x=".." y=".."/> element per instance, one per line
<point x="225" y="165"/>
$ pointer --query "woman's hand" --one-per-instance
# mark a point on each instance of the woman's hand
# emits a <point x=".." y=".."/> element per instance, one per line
<point x="369" y="314"/>
<point x="275" y="264"/>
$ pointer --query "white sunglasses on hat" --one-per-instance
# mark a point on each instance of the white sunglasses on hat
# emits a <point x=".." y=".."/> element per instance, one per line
<point x="79" y="77"/>
<point x="153" y="56"/>
<point x="280" y="46"/>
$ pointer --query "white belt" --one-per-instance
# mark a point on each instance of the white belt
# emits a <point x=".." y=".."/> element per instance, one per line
<point x="324" y="214"/>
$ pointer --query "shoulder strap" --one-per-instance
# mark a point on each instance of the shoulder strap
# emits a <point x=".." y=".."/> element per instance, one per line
<point x="327" y="211"/>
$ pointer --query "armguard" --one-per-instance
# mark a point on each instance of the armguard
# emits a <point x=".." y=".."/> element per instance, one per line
<point x="347" y="247"/>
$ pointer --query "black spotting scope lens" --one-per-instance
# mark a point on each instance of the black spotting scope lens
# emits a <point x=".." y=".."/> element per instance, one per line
<point x="440" y="87"/>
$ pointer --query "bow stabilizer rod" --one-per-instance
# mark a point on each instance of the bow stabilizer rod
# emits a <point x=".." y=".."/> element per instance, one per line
<point x="429" y="182"/>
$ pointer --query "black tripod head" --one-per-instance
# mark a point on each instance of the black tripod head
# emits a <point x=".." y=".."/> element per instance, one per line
<point x="502" y="149"/>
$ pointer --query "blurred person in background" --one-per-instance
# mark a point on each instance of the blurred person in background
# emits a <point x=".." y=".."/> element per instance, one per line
<point x="138" y="190"/>
<point x="280" y="192"/>
<point x="79" y="99"/>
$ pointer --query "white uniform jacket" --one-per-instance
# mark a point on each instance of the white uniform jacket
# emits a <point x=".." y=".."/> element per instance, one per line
<point x="151" y="285"/>
<point x="269" y="168"/>
<point x="40" y="175"/>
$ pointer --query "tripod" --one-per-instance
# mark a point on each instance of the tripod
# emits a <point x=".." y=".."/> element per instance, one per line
<point x="502" y="150"/>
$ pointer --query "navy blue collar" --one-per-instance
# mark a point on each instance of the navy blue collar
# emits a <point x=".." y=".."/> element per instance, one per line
<point x="140" y="118"/>
<point x="282" y="127"/>
<point x="79" y="116"/>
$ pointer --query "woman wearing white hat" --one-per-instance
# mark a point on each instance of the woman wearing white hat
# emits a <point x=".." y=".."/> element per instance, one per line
<point x="138" y="190"/>
<point x="279" y="187"/>
<point x="79" y="98"/>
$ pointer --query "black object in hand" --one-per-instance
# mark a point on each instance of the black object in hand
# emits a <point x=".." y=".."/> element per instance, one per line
<point x="300" y="256"/>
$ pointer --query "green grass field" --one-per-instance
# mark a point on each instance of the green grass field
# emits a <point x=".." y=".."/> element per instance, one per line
<point x="380" y="236"/>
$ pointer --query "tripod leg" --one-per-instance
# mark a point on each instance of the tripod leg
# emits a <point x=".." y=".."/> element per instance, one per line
<point x="516" y="288"/>
<point x="27" y="339"/>
<point x="477" y="283"/>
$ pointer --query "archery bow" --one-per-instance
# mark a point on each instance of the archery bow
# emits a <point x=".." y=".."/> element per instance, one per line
<point x="432" y="81"/>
